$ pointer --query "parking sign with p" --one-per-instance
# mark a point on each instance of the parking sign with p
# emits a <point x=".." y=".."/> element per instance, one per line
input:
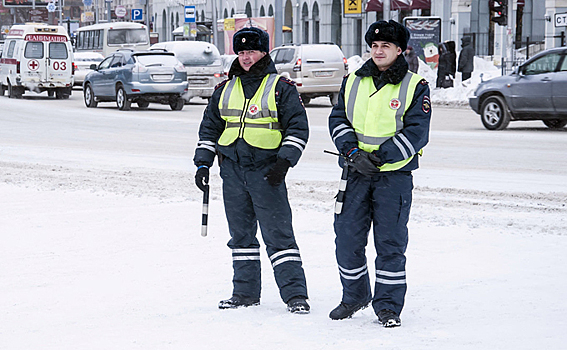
<point x="137" y="15"/>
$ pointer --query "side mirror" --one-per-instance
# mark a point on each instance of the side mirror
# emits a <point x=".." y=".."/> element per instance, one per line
<point x="93" y="66"/>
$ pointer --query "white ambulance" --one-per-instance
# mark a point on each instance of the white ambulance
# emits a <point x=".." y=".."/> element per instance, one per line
<point x="37" y="57"/>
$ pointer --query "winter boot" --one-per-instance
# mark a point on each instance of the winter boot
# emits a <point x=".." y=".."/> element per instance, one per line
<point x="346" y="310"/>
<point x="389" y="318"/>
<point x="237" y="301"/>
<point x="298" y="305"/>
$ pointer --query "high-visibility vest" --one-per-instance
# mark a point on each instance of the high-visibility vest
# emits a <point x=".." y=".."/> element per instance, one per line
<point x="377" y="115"/>
<point x="256" y="119"/>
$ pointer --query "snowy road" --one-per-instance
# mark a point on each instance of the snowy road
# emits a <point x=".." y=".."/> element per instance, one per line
<point x="99" y="220"/>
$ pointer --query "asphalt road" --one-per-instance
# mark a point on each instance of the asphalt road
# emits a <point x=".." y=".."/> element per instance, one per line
<point x="40" y="130"/>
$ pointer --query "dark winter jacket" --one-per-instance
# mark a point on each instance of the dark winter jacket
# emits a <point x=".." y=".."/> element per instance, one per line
<point x="446" y="67"/>
<point x="466" y="57"/>
<point x="413" y="62"/>
<point x="291" y="115"/>
<point x="452" y="57"/>
<point x="416" y="119"/>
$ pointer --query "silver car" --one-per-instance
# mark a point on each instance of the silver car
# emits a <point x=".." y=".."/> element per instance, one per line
<point x="203" y="63"/>
<point x="82" y="62"/>
<point x="316" y="69"/>
<point x="142" y="77"/>
<point x="537" y="90"/>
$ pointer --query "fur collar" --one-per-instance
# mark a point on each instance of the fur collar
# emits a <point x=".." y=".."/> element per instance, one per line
<point x="393" y="75"/>
<point x="264" y="66"/>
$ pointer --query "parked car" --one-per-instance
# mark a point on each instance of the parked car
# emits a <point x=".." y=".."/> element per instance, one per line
<point x="203" y="63"/>
<point x="83" y="62"/>
<point x="537" y="90"/>
<point x="142" y="77"/>
<point x="316" y="69"/>
<point x="227" y="61"/>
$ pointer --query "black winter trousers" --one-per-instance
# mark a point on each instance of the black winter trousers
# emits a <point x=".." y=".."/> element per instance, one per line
<point x="384" y="202"/>
<point x="249" y="200"/>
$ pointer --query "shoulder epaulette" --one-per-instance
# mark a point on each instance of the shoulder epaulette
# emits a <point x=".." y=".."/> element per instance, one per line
<point x="221" y="84"/>
<point x="286" y="80"/>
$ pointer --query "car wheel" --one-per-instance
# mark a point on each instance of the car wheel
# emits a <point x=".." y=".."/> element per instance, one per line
<point x="50" y="93"/>
<point x="62" y="94"/>
<point x="122" y="99"/>
<point x="89" y="96"/>
<point x="305" y="99"/>
<point x="334" y="97"/>
<point x="177" y="104"/>
<point x="14" y="92"/>
<point x="143" y="104"/>
<point x="555" y="123"/>
<point x="494" y="113"/>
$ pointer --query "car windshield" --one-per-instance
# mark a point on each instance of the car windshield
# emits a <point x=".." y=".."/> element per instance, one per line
<point x="157" y="60"/>
<point x="127" y="36"/>
<point x="200" y="56"/>
<point x="324" y="53"/>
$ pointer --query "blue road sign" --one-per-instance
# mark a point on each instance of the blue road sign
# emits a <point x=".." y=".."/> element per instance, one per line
<point x="88" y="2"/>
<point x="137" y="15"/>
<point x="189" y="14"/>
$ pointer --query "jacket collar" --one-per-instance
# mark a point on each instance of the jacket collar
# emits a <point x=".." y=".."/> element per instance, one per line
<point x="393" y="75"/>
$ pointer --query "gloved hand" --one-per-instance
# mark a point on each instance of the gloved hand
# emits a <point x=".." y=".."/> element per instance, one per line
<point x="202" y="177"/>
<point x="364" y="163"/>
<point x="276" y="174"/>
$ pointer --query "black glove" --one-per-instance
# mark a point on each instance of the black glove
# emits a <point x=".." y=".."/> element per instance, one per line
<point x="276" y="175"/>
<point x="202" y="177"/>
<point x="363" y="162"/>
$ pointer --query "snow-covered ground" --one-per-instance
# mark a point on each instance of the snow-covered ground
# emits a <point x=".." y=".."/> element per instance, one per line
<point x="101" y="245"/>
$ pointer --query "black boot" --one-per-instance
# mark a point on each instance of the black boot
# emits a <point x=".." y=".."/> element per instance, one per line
<point x="238" y="301"/>
<point x="346" y="310"/>
<point x="389" y="318"/>
<point x="298" y="305"/>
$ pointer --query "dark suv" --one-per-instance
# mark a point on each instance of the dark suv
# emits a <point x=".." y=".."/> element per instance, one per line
<point x="537" y="90"/>
<point x="142" y="77"/>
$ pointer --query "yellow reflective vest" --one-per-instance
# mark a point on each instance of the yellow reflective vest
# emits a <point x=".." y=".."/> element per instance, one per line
<point x="378" y="115"/>
<point x="256" y="119"/>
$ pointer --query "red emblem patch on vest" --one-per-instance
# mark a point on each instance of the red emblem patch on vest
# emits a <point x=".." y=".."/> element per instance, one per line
<point x="426" y="106"/>
<point x="395" y="103"/>
<point x="253" y="109"/>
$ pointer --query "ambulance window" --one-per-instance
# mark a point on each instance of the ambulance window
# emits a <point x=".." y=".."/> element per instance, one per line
<point x="33" y="50"/>
<point x="58" y="51"/>
<point x="10" y="52"/>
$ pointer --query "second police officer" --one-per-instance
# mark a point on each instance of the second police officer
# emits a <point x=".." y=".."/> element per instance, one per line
<point x="380" y="125"/>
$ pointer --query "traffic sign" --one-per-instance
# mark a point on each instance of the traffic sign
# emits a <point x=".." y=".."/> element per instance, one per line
<point x="120" y="11"/>
<point x="560" y="19"/>
<point x="189" y="14"/>
<point x="88" y="3"/>
<point x="137" y="15"/>
<point x="51" y="7"/>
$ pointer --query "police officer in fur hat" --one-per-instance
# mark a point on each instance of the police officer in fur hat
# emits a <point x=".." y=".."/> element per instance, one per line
<point x="256" y="124"/>
<point x="380" y="125"/>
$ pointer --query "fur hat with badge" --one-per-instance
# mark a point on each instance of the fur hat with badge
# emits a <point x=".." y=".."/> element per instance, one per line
<point x="251" y="38"/>
<point x="391" y="31"/>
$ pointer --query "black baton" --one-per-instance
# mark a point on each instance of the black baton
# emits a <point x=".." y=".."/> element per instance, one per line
<point x="205" y="219"/>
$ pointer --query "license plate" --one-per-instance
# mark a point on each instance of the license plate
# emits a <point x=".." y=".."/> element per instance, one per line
<point x="162" y="77"/>
<point x="198" y="81"/>
<point x="323" y="74"/>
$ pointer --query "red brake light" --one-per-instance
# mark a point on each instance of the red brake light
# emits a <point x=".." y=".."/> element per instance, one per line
<point x="74" y="68"/>
<point x="297" y="66"/>
<point x="346" y="63"/>
<point x="218" y="75"/>
<point x="17" y="67"/>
